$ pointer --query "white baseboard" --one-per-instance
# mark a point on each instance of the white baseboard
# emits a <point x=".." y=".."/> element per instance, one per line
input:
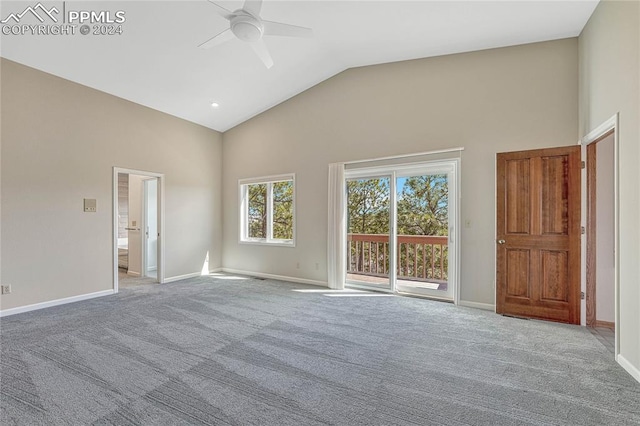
<point x="276" y="277"/>
<point x="133" y="274"/>
<point x="483" y="306"/>
<point x="153" y="268"/>
<point x="631" y="369"/>
<point x="182" y="277"/>
<point x="57" y="302"/>
<point x="192" y="275"/>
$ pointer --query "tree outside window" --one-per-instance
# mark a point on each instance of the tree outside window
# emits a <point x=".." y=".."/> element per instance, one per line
<point x="268" y="211"/>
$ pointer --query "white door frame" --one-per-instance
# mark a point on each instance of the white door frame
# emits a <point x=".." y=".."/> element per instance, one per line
<point x="595" y="135"/>
<point x="145" y="225"/>
<point x="451" y="166"/>
<point x="160" y="261"/>
<point x="377" y="173"/>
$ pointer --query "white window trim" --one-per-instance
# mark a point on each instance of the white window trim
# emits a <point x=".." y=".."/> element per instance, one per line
<point x="243" y="203"/>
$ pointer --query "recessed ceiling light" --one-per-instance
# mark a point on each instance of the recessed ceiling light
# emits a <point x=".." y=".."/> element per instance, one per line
<point x="215" y="104"/>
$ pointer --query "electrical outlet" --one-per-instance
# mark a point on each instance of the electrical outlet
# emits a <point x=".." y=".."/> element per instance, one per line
<point x="317" y="266"/>
<point x="298" y="265"/>
<point x="6" y="289"/>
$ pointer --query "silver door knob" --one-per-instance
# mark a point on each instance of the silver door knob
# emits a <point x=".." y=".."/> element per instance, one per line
<point x="501" y="241"/>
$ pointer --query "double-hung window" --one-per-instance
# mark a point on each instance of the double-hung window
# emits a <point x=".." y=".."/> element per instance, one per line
<point x="267" y="210"/>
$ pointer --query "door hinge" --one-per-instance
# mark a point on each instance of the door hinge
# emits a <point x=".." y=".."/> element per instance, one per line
<point x="582" y="295"/>
<point x="583" y="230"/>
<point x="582" y="165"/>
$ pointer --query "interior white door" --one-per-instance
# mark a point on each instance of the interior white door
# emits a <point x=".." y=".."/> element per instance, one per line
<point x="151" y="227"/>
<point x="136" y="218"/>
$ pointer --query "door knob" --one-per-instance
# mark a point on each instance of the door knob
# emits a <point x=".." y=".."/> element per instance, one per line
<point x="501" y="241"/>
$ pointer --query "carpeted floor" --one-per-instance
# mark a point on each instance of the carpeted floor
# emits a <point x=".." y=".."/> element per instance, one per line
<point x="238" y="351"/>
<point x="125" y="281"/>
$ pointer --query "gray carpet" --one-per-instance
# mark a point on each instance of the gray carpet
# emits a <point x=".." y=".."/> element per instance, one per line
<point x="215" y="350"/>
<point x="125" y="281"/>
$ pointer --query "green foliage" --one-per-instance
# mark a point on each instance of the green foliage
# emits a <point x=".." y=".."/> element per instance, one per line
<point x="422" y="210"/>
<point x="283" y="210"/>
<point x="282" y="193"/>
<point x="368" y="204"/>
<point x="423" y="206"/>
<point x="258" y="210"/>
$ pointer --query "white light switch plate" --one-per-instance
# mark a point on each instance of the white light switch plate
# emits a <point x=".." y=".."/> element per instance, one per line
<point x="90" y="205"/>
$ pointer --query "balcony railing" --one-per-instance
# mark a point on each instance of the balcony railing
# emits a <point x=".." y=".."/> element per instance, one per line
<point x="419" y="257"/>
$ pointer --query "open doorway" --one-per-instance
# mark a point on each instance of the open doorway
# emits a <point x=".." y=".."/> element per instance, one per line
<point x="601" y="238"/>
<point x="601" y="211"/>
<point x="137" y="228"/>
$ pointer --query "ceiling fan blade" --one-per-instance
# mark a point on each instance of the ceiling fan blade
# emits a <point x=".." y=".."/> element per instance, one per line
<point x="253" y="7"/>
<point x="225" y="13"/>
<point x="280" y="29"/>
<point x="218" y="39"/>
<point x="261" y="50"/>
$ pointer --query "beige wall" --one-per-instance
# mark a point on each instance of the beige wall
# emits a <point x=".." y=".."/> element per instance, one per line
<point x="605" y="238"/>
<point x="609" y="48"/>
<point x="497" y="100"/>
<point x="60" y="141"/>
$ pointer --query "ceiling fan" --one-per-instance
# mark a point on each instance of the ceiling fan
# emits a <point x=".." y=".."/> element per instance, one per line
<point x="247" y="25"/>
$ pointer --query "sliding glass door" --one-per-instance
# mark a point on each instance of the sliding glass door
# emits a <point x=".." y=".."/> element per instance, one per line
<point x="368" y="231"/>
<point x="401" y="223"/>
<point x="424" y="224"/>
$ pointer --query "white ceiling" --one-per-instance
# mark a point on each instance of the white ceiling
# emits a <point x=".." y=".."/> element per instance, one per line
<point x="156" y="62"/>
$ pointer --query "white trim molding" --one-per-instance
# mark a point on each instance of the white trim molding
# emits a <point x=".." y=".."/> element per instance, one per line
<point x="630" y="368"/>
<point x="57" y="302"/>
<point x="477" y="305"/>
<point x="243" y="198"/>
<point x="612" y="124"/>
<point x="191" y="275"/>
<point x="400" y="156"/>
<point x="276" y="277"/>
<point x="182" y="277"/>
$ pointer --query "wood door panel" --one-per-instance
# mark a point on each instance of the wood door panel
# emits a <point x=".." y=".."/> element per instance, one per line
<point x="538" y="213"/>
<point x="554" y="267"/>
<point x="555" y="200"/>
<point x="518" y="262"/>
<point x="517" y="197"/>
<point x="543" y="313"/>
<point x="537" y="241"/>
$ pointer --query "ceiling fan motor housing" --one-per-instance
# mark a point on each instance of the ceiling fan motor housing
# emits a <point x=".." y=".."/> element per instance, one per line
<point x="246" y="27"/>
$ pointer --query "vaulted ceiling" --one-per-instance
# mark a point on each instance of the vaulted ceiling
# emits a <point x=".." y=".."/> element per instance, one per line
<point x="156" y="60"/>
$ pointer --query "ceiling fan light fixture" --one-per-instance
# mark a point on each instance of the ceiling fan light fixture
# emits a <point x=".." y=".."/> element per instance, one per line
<point x="246" y="25"/>
<point x="247" y="28"/>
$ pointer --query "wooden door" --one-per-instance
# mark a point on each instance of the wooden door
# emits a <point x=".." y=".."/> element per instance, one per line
<point x="538" y="234"/>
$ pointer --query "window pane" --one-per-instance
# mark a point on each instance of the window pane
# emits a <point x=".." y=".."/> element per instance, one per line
<point x="283" y="210"/>
<point x="257" y="214"/>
